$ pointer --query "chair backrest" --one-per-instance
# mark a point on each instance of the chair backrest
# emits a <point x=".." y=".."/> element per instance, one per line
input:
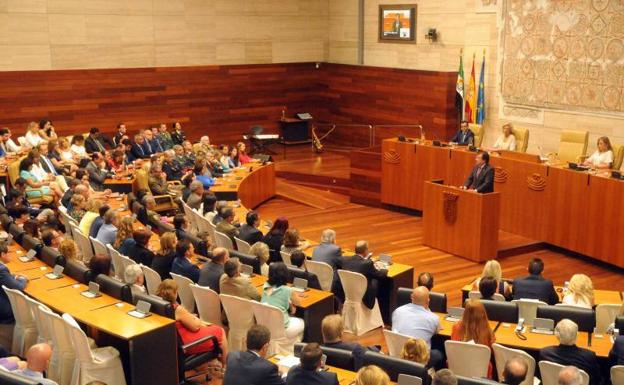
<point x="21" y="310"/>
<point x="353" y="284"/>
<point x="295" y="272"/>
<point x="549" y="372"/>
<point x="79" y="339"/>
<point x="84" y="244"/>
<point x="190" y="217"/>
<point x="125" y="262"/>
<point x="29" y="242"/>
<point x="241" y="245"/>
<point x="141" y="180"/>
<point x="223" y="240"/>
<point x="118" y="265"/>
<point x="527" y="309"/>
<point x="501" y="311"/>
<point x="573" y="144"/>
<point x="467" y="359"/>
<point x="247" y="259"/>
<point x="269" y="316"/>
<point x="502" y="354"/>
<point x="99" y="247"/>
<point x="324" y="273"/>
<point x="51" y="257"/>
<point x="240" y="318"/>
<point x="522" y="138"/>
<point x="286" y="258"/>
<point x="584" y="318"/>
<point x="395" y="366"/>
<point x="10" y="378"/>
<point x="13" y="171"/>
<point x="208" y="304"/>
<point x="184" y="291"/>
<point x="60" y="338"/>
<point x="477" y="130"/>
<point x="17" y="232"/>
<point x="477" y="295"/>
<point x="437" y="301"/>
<point x="159" y="306"/>
<point x="617" y="374"/>
<point x="78" y="271"/>
<point x="338" y="358"/>
<point x="395" y="342"/>
<point x="42" y="327"/>
<point x="461" y="380"/>
<point x="152" y="279"/>
<point x="114" y="288"/>
<point x="605" y="316"/>
<point x="618" y="156"/>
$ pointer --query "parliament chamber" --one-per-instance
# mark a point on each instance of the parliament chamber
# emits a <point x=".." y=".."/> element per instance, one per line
<point x="305" y="192"/>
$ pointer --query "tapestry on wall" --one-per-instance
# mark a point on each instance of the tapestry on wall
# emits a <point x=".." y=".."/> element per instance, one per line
<point x="564" y="54"/>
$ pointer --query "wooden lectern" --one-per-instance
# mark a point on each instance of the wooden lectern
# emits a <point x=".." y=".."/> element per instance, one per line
<point x="461" y="222"/>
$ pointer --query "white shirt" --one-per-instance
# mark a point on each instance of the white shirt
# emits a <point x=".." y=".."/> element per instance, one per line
<point x="39" y="172"/>
<point x="32" y="139"/>
<point x="79" y="150"/>
<point x="11" y="146"/>
<point x="598" y="158"/>
<point x="67" y="155"/>
<point x="508" y="143"/>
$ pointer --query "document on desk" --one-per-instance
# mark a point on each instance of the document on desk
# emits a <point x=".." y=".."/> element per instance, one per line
<point x="288" y="361"/>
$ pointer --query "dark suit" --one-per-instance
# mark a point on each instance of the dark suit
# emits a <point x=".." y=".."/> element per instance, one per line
<point x="299" y="376"/>
<point x="140" y="254"/>
<point x="535" y="287"/>
<point x="162" y="265"/>
<point x="247" y="368"/>
<point x="583" y="359"/>
<point x="463" y="138"/>
<point x="97" y="176"/>
<point x="184" y="267"/>
<point x="173" y="170"/>
<point x="178" y="137"/>
<point x="156" y="146"/>
<point x="8" y="280"/>
<point x="482" y="181"/>
<point x="366" y="267"/>
<point x="95" y="226"/>
<point x="616" y="355"/>
<point x="313" y="282"/>
<point x="210" y="275"/>
<point x="274" y="241"/>
<point x="138" y="152"/>
<point x="249" y="234"/>
<point x="94" y="145"/>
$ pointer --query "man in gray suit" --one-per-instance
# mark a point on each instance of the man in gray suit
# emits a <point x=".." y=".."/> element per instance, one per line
<point x="194" y="200"/>
<point x="328" y="251"/>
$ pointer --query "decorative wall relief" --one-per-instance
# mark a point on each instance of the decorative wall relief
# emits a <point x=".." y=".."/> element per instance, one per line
<point x="486" y="6"/>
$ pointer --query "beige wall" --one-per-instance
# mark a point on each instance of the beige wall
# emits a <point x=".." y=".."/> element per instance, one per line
<point x="64" y="34"/>
<point x="459" y="26"/>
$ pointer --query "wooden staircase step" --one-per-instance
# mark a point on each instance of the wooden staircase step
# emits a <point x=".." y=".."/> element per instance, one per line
<point x="309" y="196"/>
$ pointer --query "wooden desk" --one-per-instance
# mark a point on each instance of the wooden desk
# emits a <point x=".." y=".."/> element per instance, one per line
<point x="67" y="299"/>
<point x="252" y="183"/>
<point x="123" y="185"/>
<point x="345" y="377"/>
<point x="461" y="222"/>
<point x="543" y="202"/>
<point x="314" y="306"/>
<point x="399" y="275"/>
<point x="446" y="326"/>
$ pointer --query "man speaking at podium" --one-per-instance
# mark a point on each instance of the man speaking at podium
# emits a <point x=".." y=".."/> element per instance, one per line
<point x="481" y="177"/>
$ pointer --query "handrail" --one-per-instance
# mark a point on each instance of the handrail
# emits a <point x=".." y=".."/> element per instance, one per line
<point x="372" y="128"/>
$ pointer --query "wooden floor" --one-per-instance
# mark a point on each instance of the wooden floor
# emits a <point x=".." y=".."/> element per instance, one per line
<point x="401" y="235"/>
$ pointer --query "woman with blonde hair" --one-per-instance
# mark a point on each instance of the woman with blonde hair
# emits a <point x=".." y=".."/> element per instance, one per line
<point x="164" y="257"/>
<point x="262" y="252"/>
<point x="416" y="350"/>
<point x="580" y="292"/>
<point x="603" y="156"/>
<point x="93" y="211"/>
<point x="124" y="231"/>
<point x="493" y="269"/>
<point x="371" y="375"/>
<point x="191" y="328"/>
<point x="506" y="141"/>
<point x="67" y="156"/>
<point x="69" y="249"/>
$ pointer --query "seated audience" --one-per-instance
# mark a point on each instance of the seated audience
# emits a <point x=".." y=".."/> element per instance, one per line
<point x="77" y="147"/>
<point x="94" y="141"/>
<point x="120" y="135"/>
<point x="444" y="377"/>
<point x="151" y="141"/>
<point x="210" y="274"/>
<point x="251" y="367"/>
<point x="32" y="136"/>
<point x="163" y="259"/>
<point x="361" y="263"/>
<point x="567" y="353"/>
<point x="51" y="238"/>
<point x="100" y="264"/>
<point x="292" y="242"/>
<point x="92" y="208"/>
<point x="603" y="156"/>
<point x="178" y="136"/>
<point x="68" y="157"/>
<point x="190" y="327"/>
<point x="298" y="260"/>
<point x="493" y="270"/>
<point x="276" y="292"/>
<point x="173" y="169"/>
<point x="261" y="251"/>
<point x="464" y="136"/>
<point x="11" y="281"/>
<point x="506" y="141"/>
<point x="117" y="161"/>
<point x="233" y="160"/>
<point x="616" y="355"/>
<point x="371" y="375"/>
<point x="31" y="227"/>
<point x="209" y="201"/>
<point x="180" y="226"/>
<point x="38" y="358"/>
<point x="157" y="180"/>
<point x="515" y="371"/>
<point x="68" y="249"/>
<point x="182" y="264"/>
<point x="425" y="279"/>
<point x="416" y="350"/>
<point x="46" y="130"/>
<point x="328" y="251"/>
<point x="570" y="375"/>
<point x="232" y="283"/>
<point x="580" y="292"/>
<point x="8" y="145"/>
<point x="242" y="154"/>
<point x="124" y="233"/>
<point x="309" y="371"/>
<point x="275" y="238"/>
<point x="227" y="225"/>
<point x="138" y="149"/>
<point x="487" y="288"/>
<point x="36" y="187"/>
<point x="17" y="203"/>
<point x="133" y="276"/>
<point x="219" y="206"/>
<point x="535" y="286"/>
<point x="474" y="325"/>
<point x="108" y="231"/>
<point x="78" y="204"/>
<point x="138" y="250"/>
<point x="164" y="137"/>
<point x="194" y="199"/>
<point x="98" y="173"/>
<point x="98" y="221"/>
<point x="202" y="175"/>
<point x="332" y="328"/>
<point x="67" y="195"/>
<point x="248" y="231"/>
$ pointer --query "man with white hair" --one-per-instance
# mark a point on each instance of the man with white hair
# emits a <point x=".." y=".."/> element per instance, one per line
<point x="328" y="251"/>
<point x="570" y="375"/>
<point x="204" y="144"/>
<point x="133" y="276"/>
<point x="567" y="353"/>
<point x="194" y="200"/>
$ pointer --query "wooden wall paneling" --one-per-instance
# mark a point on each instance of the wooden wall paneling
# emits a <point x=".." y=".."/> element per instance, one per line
<point x="398" y="162"/>
<point x="432" y="164"/>
<point x="606" y="205"/>
<point x="366" y="176"/>
<point x="460" y="166"/>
